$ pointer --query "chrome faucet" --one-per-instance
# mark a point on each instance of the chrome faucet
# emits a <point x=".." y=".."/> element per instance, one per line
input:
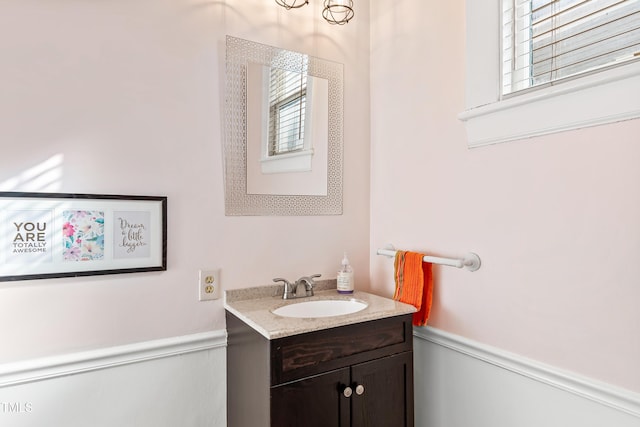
<point x="291" y="289"/>
<point x="308" y="283"/>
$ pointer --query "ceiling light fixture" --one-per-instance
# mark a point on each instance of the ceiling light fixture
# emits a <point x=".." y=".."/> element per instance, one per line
<point x="338" y="11"/>
<point x="292" y="4"/>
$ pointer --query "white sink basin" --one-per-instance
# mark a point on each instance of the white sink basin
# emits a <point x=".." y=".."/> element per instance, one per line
<point x="320" y="308"/>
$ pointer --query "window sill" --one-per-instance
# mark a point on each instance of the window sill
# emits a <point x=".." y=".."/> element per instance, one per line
<point x="297" y="161"/>
<point x="606" y="97"/>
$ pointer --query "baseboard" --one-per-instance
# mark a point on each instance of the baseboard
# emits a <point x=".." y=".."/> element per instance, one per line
<point x="605" y="394"/>
<point x="69" y="364"/>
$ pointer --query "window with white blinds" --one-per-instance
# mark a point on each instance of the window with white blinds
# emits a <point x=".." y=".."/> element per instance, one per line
<point x="545" y="41"/>
<point x="287" y="105"/>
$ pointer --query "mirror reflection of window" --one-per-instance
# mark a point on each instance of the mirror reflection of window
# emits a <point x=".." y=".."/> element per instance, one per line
<point x="287" y="109"/>
<point x="287" y="131"/>
<point x="288" y="139"/>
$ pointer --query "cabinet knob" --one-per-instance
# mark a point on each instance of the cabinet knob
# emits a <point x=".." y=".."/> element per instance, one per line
<point x="360" y="390"/>
<point x="347" y="392"/>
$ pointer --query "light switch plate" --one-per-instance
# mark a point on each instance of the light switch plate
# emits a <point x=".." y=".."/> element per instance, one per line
<point x="209" y="284"/>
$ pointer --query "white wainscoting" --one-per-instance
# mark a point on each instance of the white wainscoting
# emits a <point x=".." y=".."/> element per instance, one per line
<point x="461" y="383"/>
<point x="171" y="382"/>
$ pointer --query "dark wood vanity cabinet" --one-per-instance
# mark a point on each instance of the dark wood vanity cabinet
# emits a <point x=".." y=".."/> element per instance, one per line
<point x="358" y="375"/>
<point x="377" y="396"/>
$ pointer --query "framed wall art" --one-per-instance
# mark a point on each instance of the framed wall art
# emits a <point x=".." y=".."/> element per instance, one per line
<point x="47" y="235"/>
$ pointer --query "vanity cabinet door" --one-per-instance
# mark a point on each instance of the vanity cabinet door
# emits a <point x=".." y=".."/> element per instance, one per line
<point x="316" y="401"/>
<point x="383" y="392"/>
<point x="380" y="395"/>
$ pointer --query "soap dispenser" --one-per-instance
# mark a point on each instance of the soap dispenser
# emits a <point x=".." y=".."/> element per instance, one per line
<point x="345" y="277"/>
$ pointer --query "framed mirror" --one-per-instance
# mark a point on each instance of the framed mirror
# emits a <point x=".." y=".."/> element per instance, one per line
<point x="282" y="132"/>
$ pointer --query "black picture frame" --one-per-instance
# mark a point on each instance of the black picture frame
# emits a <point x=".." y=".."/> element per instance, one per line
<point x="53" y="235"/>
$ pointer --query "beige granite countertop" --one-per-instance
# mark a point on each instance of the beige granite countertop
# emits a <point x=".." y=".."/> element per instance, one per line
<point x="254" y="306"/>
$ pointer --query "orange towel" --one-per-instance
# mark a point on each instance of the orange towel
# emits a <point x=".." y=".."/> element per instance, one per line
<point x="414" y="284"/>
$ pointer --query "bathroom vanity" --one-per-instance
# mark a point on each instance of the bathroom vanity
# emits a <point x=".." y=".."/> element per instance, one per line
<point x="348" y="370"/>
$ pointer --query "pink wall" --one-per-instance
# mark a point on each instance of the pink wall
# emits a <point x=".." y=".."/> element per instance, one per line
<point x="554" y="219"/>
<point x="124" y="97"/>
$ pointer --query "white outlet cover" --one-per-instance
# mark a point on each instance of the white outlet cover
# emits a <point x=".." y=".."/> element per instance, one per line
<point x="209" y="284"/>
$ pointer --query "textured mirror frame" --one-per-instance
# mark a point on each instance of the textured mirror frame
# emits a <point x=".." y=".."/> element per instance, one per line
<point x="239" y="53"/>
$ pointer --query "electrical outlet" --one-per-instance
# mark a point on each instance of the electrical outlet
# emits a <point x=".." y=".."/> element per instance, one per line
<point x="209" y="285"/>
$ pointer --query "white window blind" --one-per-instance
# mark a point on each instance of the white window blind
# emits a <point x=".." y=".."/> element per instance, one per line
<point x="287" y="104"/>
<point x="545" y="41"/>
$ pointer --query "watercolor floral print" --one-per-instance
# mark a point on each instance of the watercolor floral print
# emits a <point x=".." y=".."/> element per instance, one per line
<point x="83" y="235"/>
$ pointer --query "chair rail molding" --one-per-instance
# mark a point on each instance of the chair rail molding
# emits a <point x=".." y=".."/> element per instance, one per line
<point x="12" y="374"/>
<point x="602" y="393"/>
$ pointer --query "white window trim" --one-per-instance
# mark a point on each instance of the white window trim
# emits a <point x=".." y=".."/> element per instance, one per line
<point x="606" y="97"/>
<point x="296" y="161"/>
